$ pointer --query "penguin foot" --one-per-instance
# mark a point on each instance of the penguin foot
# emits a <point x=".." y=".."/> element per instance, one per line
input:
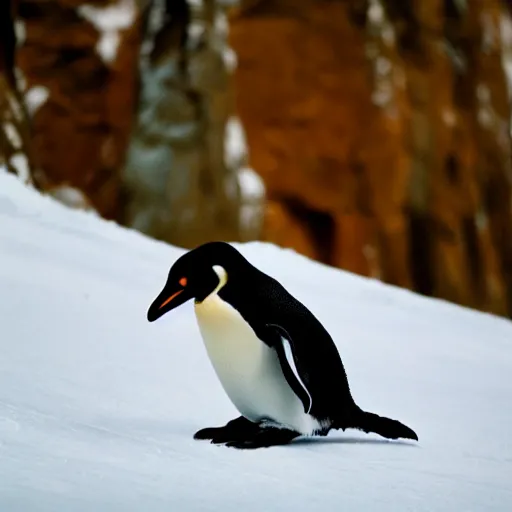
<point x="265" y="438"/>
<point x="237" y="429"/>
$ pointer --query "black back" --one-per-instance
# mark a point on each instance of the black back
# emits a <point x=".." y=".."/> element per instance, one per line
<point x="262" y="300"/>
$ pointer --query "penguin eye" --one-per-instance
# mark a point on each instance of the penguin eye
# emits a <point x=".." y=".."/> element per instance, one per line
<point x="183" y="282"/>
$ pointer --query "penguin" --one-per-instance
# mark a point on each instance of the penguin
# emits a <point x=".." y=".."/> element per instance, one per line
<point x="274" y="359"/>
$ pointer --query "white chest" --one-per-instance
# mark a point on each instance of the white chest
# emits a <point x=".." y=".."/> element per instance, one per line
<point x="248" y="370"/>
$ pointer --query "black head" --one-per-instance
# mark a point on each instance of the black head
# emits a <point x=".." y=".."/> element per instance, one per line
<point x="197" y="274"/>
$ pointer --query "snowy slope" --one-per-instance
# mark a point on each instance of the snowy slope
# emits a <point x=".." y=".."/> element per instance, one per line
<point x="98" y="407"/>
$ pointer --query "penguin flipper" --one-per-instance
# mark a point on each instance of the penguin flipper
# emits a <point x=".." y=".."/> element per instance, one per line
<point x="281" y="341"/>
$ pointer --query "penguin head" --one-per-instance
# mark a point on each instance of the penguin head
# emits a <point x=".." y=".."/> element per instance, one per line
<point x="196" y="274"/>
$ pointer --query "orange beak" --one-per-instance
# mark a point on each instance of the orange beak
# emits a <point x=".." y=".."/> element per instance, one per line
<point x="165" y="302"/>
<point x="169" y="298"/>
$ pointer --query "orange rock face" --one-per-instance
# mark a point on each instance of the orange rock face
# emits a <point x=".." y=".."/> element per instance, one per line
<point x="80" y="93"/>
<point x="385" y="124"/>
<point x="137" y="121"/>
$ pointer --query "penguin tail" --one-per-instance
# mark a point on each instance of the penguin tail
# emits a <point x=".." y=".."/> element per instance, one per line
<point x="385" y="427"/>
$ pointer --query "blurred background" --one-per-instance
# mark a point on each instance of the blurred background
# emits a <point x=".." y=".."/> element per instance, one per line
<point x="370" y="135"/>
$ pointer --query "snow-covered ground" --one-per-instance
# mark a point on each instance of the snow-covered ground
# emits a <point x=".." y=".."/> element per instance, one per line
<point x="98" y="407"/>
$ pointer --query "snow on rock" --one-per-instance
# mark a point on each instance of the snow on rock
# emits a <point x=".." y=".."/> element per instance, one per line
<point x="109" y="21"/>
<point x="12" y="134"/>
<point x="251" y="185"/>
<point x="20" y="31"/>
<point x="181" y="169"/>
<point x="98" y="407"/>
<point x="235" y="145"/>
<point x="35" y="97"/>
<point x="252" y="195"/>
<point x="71" y="197"/>
<point x="20" y="163"/>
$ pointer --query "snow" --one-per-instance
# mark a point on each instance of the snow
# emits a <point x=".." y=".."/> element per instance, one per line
<point x="98" y="407"/>
<point x="19" y="163"/>
<point x="12" y="134"/>
<point x="72" y="197"/>
<point x="376" y="12"/>
<point x="109" y="21"/>
<point x="35" y="97"/>
<point x="235" y="145"/>
<point x="20" y="31"/>
<point x="252" y="193"/>
<point x="251" y="185"/>
<point x="13" y="104"/>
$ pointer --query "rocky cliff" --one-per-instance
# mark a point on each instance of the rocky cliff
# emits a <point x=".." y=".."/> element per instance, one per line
<point x="186" y="176"/>
<point x="76" y="66"/>
<point x="131" y="114"/>
<point x="382" y="131"/>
